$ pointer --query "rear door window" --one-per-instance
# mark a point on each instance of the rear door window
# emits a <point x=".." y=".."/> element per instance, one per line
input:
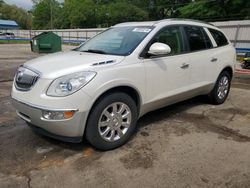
<point x="197" y="38"/>
<point x="219" y="37"/>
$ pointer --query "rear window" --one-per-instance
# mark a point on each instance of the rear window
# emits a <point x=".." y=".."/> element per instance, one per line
<point x="197" y="38"/>
<point x="219" y="37"/>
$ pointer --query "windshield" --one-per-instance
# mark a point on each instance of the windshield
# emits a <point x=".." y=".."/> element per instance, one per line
<point x="116" y="40"/>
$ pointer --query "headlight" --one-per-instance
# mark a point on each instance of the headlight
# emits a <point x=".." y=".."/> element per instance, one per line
<point x="69" y="84"/>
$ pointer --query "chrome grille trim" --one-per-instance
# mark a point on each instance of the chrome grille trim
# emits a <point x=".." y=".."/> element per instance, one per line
<point x="25" y="78"/>
<point x="43" y="107"/>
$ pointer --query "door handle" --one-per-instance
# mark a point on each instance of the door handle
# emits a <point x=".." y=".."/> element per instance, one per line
<point x="184" y="65"/>
<point x="214" y="59"/>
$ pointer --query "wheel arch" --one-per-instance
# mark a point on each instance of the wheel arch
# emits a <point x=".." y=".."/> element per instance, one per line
<point x="131" y="91"/>
<point x="228" y="69"/>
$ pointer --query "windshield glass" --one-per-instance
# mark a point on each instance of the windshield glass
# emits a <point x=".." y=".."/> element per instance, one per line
<point x="116" y="40"/>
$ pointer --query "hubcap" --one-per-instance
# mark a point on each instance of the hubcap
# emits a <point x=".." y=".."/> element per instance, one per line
<point x="223" y="87"/>
<point x="114" y="121"/>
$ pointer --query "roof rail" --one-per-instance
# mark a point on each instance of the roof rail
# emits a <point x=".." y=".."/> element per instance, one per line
<point x="185" y="19"/>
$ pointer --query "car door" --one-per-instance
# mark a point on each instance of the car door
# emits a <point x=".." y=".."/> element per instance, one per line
<point x="202" y="59"/>
<point x="167" y="76"/>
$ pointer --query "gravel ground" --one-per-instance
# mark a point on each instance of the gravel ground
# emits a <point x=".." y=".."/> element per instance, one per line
<point x="189" y="144"/>
<point x="13" y="55"/>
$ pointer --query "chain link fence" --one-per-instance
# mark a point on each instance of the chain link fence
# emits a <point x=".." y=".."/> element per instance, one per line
<point x="238" y="33"/>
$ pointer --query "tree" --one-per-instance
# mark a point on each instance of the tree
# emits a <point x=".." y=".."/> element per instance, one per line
<point x="103" y="13"/>
<point x="46" y="14"/>
<point x="123" y="11"/>
<point x="80" y="13"/>
<point x="12" y="12"/>
<point x="93" y="13"/>
<point x="160" y="9"/>
<point x="216" y="10"/>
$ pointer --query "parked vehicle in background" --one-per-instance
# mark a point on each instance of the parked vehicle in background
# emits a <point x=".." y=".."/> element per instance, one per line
<point x="7" y="35"/>
<point x="10" y="35"/>
<point x="245" y="64"/>
<point x="99" y="90"/>
<point x="2" y="35"/>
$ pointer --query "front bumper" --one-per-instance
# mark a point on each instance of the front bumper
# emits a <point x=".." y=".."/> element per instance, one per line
<point x="55" y="136"/>
<point x="67" y="129"/>
<point x="30" y="105"/>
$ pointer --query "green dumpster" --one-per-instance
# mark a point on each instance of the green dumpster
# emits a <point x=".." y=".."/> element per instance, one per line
<point x="46" y="42"/>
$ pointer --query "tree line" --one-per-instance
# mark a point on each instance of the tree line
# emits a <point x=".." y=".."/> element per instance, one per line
<point x="47" y="14"/>
<point x="12" y="12"/>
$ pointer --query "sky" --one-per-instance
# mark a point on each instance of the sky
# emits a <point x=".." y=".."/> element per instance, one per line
<point x="26" y="4"/>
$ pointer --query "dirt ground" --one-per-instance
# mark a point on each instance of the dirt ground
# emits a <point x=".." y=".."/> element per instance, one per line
<point x="189" y="144"/>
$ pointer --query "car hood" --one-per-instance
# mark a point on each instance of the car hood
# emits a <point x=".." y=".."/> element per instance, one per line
<point x="62" y="63"/>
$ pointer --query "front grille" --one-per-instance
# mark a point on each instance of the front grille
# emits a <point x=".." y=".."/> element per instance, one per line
<point x="25" y="78"/>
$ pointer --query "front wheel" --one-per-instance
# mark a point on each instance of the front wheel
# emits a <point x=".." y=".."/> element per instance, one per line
<point x="221" y="89"/>
<point x="111" y="121"/>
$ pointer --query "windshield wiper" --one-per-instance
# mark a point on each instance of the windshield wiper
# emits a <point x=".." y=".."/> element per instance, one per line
<point x="94" y="51"/>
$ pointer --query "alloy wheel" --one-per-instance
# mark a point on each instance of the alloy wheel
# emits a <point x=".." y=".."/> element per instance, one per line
<point x="114" y="121"/>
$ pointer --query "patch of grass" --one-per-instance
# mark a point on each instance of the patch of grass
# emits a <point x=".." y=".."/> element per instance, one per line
<point x="14" y="42"/>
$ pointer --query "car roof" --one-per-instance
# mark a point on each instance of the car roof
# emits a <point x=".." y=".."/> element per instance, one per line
<point x="171" y="21"/>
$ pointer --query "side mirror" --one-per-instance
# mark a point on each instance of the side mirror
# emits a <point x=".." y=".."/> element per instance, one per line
<point x="159" y="49"/>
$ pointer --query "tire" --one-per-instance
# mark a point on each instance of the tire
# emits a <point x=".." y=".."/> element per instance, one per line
<point x="221" y="89"/>
<point x="112" y="121"/>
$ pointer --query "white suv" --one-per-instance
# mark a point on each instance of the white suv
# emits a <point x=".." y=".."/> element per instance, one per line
<point x="99" y="90"/>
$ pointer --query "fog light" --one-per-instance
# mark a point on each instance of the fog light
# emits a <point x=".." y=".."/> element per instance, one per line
<point x="58" y="115"/>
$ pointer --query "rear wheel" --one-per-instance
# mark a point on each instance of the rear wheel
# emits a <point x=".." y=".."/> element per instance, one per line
<point x="221" y="89"/>
<point x="112" y="121"/>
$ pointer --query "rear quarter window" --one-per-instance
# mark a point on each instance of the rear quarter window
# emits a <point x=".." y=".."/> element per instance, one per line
<point x="219" y="37"/>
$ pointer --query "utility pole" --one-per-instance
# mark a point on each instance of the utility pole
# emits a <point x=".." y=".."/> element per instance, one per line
<point x="51" y="16"/>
